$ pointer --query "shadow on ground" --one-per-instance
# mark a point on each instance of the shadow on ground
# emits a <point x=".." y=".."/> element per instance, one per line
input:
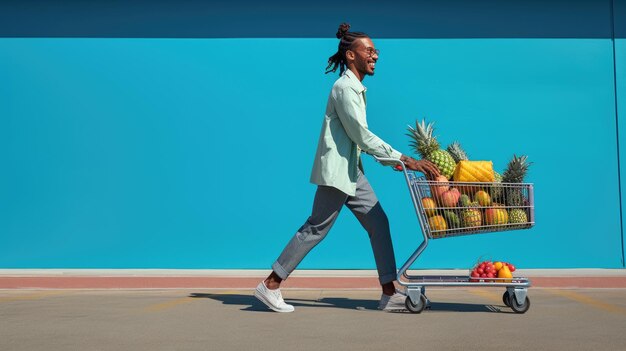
<point x="250" y="303"/>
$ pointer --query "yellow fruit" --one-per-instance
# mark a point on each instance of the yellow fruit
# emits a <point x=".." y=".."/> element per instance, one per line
<point x="437" y="223"/>
<point x="505" y="272"/>
<point x="429" y="206"/>
<point x="474" y="171"/>
<point x="497" y="266"/>
<point x="494" y="216"/>
<point x="483" y="198"/>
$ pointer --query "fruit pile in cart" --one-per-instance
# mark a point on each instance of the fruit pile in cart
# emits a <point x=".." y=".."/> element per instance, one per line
<point x="488" y="271"/>
<point x="469" y="196"/>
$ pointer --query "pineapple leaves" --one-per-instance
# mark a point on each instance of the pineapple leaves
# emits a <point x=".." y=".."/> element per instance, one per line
<point x="516" y="170"/>
<point x="425" y="144"/>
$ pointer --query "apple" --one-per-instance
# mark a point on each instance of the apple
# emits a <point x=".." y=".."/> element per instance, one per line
<point x="450" y="198"/>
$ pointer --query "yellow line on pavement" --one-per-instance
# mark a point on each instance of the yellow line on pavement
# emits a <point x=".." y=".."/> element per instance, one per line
<point x="168" y="304"/>
<point x="491" y="296"/>
<point x="588" y="300"/>
<point x="30" y="296"/>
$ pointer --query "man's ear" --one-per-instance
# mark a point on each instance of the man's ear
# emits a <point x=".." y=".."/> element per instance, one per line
<point x="350" y="55"/>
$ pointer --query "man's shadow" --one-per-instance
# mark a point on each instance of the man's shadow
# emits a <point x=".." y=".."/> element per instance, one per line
<point x="250" y="303"/>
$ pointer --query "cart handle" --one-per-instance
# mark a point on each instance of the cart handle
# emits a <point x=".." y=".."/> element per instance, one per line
<point x="399" y="165"/>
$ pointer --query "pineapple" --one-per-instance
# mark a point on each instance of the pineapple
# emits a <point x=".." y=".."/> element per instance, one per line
<point x="498" y="177"/>
<point x="496" y="190"/>
<point x="514" y="197"/>
<point x="515" y="173"/>
<point x="518" y="216"/>
<point x="456" y="151"/>
<point x="516" y="170"/>
<point x="426" y="145"/>
<point x="472" y="217"/>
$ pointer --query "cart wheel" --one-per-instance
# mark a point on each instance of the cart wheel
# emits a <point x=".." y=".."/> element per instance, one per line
<point x="506" y="299"/>
<point x="516" y="307"/>
<point x="416" y="308"/>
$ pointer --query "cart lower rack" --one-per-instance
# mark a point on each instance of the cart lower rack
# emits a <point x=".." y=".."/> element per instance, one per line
<point x="446" y="209"/>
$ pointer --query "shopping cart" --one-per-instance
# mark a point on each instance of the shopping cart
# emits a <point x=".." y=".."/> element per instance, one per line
<point x="510" y="207"/>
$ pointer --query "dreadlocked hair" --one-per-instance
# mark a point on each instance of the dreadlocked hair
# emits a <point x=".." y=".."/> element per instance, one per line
<point x="346" y="39"/>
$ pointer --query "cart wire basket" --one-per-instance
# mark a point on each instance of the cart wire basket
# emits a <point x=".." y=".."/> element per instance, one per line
<point x="450" y="209"/>
<point x="501" y="206"/>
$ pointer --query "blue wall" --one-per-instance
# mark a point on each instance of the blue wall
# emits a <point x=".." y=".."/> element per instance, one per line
<point x="132" y="150"/>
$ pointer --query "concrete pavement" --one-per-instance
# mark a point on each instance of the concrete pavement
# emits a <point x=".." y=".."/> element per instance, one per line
<point x="220" y="319"/>
<point x="246" y="279"/>
<point x="582" y="309"/>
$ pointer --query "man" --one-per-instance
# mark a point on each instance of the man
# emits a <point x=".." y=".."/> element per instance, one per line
<point x="338" y="172"/>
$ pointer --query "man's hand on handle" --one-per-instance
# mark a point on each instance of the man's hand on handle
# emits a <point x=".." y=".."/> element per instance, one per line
<point x="428" y="168"/>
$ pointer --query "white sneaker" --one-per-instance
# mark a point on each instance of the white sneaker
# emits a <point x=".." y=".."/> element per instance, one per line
<point x="393" y="303"/>
<point x="272" y="298"/>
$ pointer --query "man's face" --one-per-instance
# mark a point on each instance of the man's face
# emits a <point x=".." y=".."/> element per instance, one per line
<point x="365" y="56"/>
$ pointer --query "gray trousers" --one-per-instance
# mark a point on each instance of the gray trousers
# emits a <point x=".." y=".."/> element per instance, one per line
<point x="326" y="206"/>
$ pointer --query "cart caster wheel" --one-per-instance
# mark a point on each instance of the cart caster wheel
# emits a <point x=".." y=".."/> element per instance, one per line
<point x="416" y="308"/>
<point x="516" y="307"/>
<point x="506" y="299"/>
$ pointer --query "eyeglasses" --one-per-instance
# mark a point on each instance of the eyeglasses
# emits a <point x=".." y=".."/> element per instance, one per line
<point x="371" y="51"/>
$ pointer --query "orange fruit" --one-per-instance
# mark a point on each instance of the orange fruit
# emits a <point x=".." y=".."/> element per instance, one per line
<point x="497" y="266"/>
